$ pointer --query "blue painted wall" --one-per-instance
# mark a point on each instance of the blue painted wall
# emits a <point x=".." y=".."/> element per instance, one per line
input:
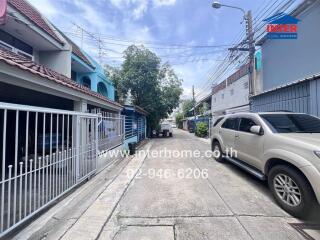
<point x="135" y="126"/>
<point x="96" y="76"/>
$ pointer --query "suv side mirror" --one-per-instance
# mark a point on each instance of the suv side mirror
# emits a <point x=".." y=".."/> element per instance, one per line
<point x="256" y="130"/>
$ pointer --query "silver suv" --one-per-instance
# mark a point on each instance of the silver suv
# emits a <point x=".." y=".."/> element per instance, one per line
<point x="282" y="148"/>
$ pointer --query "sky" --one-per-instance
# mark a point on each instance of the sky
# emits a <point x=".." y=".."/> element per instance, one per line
<point x="167" y="27"/>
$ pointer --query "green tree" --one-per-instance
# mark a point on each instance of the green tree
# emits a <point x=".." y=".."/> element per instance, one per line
<point x="179" y="118"/>
<point x="187" y="106"/>
<point x="114" y="74"/>
<point x="153" y="86"/>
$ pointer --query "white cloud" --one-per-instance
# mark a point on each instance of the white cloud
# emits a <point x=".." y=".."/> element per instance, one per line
<point x="135" y="8"/>
<point x="159" y="3"/>
<point x="45" y="7"/>
<point x="140" y="9"/>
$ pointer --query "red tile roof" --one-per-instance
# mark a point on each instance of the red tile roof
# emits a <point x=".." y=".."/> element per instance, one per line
<point x="42" y="71"/>
<point x="34" y="16"/>
<point x="77" y="51"/>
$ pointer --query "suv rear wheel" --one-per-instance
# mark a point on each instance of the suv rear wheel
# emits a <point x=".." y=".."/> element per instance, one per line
<point x="217" y="151"/>
<point x="292" y="191"/>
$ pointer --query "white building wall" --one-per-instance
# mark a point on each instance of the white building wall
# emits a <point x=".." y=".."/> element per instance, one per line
<point x="233" y="96"/>
<point x="59" y="61"/>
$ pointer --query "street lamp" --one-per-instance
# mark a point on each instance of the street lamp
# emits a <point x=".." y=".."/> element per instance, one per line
<point x="218" y="5"/>
<point x="249" y="30"/>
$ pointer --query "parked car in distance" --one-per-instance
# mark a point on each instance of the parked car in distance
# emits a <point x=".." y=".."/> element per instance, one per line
<point x="166" y="129"/>
<point x="280" y="147"/>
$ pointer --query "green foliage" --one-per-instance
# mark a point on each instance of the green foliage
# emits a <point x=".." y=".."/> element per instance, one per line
<point x="203" y="108"/>
<point x="114" y="74"/>
<point x="153" y="86"/>
<point x="179" y="118"/>
<point x="202" y="129"/>
<point x="187" y="106"/>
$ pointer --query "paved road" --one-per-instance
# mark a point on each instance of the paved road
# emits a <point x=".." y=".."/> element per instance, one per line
<point x="229" y="204"/>
<point x="137" y="201"/>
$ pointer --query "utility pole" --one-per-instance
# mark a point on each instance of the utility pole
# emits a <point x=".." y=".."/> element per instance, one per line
<point x="193" y="101"/>
<point x="249" y="41"/>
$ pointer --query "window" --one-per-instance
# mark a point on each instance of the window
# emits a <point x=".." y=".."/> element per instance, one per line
<point x="246" y="124"/>
<point x="217" y="121"/>
<point x="231" y="92"/>
<point x="231" y="123"/>
<point x="102" y="89"/>
<point x="85" y="81"/>
<point x="292" y="123"/>
<point x="73" y="75"/>
<point x="15" y="44"/>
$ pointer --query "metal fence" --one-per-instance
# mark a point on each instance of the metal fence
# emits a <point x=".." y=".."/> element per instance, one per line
<point x="130" y="127"/>
<point x="141" y="128"/>
<point x="45" y="153"/>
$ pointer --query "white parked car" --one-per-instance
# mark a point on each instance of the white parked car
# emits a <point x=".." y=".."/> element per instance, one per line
<point x="166" y="129"/>
<point x="280" y="147"/>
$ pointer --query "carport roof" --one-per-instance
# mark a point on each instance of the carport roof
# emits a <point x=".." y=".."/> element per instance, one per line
<point x="25" y="64"/>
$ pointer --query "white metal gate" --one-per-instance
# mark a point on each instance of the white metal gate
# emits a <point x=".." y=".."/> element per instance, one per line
<point x="88" y="146"/>
<point x="44" y="153"/>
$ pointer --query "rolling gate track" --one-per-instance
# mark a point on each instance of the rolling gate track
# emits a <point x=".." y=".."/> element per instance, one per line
<point x="45" y="153"/>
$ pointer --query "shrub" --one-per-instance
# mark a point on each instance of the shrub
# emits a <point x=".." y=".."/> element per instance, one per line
<point x="202" y="129"/>
<point x="179" y="119"/>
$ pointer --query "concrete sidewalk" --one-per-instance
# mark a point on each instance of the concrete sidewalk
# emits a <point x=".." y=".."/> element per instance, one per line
<point x="82" y="214"/>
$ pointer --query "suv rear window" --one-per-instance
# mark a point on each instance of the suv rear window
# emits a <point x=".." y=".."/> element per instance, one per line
<point x="292" y="123"/>
<point x="231" y="123"/>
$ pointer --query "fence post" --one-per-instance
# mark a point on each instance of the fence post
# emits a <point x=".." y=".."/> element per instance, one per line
<point x="97" y="140"/>
<point x="77" y="146"/>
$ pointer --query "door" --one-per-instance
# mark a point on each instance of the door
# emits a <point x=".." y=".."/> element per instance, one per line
<point x="227" y="132"/>
<point x="249" y="146"/>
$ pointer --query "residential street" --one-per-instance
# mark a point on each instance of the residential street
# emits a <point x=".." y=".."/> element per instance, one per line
<point x="230" y="204"/>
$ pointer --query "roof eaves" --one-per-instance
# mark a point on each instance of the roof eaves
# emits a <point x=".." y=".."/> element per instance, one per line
<point x="44" y="72"/>
<point x="313" y="77"/>
<point x="33" y="15"/>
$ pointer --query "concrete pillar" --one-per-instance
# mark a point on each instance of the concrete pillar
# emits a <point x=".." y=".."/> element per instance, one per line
<point x="80" y="106"/>
<point x="79" y="134"/>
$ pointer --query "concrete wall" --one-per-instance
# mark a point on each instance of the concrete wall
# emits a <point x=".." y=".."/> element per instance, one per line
<point x="238" y="98"/>
<point x="59" y="61"/>
<point x="285" y="61"/>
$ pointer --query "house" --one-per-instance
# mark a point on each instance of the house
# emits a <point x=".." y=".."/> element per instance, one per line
<point x="57" y="115"/>
<point x="203" y="107"/>
<point x="88" y="72"/>
<point x="135" y="124"/>
<point x="44" y="64"/>
<point x="290" y="68"/>
<point x="232" y="94"/>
